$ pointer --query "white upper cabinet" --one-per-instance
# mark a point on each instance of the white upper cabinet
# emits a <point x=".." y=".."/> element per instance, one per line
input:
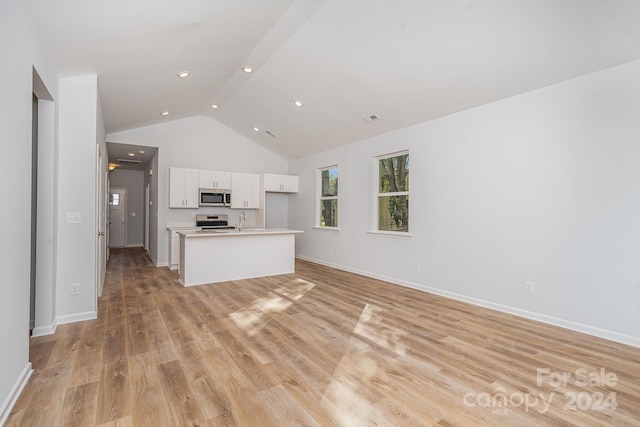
<point x="245" y="191"/>
<point x="183" y="188"/>
<point x="215" y="179"/>
<point x="280" y="183"/>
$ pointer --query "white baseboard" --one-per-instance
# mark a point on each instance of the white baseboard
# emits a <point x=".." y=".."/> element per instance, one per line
<point x="556" y="321"/>
<point x="15" y="392"/>
<point x="137" y="245"/>
<point x="156" y="263"/>
<point x="44" y="330"/>
<point x="78" y="317"/>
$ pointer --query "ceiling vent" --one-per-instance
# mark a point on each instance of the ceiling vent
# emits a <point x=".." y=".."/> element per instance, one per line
<point x="129" y="161"/>
<point x="371" y="118"/>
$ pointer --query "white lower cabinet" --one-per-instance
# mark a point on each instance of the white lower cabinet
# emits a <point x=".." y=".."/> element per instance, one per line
<point x="245" y="191"/>
<point x="174" y="247"/>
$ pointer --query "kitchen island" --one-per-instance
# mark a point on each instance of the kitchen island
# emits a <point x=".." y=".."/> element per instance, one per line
<point x="212" y="256"/>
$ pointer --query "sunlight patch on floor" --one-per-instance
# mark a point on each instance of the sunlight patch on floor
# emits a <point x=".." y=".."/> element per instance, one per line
<point x="253" y="317"/>
<point x="371" y="325"/>
<point x="358" y="370"/>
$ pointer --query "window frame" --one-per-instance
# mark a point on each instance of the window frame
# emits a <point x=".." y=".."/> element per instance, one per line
<point x="320" y="198"/>
<point x="376" y="195"/>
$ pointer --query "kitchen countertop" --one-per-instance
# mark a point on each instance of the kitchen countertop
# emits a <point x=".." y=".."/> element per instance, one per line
<point x="236" y="232"/>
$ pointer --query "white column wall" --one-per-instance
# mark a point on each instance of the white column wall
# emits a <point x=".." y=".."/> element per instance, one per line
<point x="76" y="243"/>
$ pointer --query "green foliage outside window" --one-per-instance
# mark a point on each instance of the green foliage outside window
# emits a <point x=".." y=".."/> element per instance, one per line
<point x="393" y="193"/>
<point x="329" y="197"/>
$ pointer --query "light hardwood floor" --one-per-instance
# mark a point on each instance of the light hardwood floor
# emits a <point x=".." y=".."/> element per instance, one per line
<point x="318" y="347"/>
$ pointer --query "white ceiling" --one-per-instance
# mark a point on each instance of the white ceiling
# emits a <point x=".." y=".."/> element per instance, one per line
<point x="407" y="61"/>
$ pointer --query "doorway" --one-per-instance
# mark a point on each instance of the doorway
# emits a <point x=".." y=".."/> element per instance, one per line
<point x="117" y="217"/>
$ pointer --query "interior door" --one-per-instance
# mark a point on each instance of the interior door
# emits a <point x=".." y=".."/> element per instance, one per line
<point x="117" y="217"/>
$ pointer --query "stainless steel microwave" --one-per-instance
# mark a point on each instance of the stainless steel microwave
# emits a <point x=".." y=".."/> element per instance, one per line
<point x="214" y="197"/>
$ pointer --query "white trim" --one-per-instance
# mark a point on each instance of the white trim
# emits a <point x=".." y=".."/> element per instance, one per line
<point x="334" y="229"/>
<point x="41" y="331"/>
<point x="14" y="394"/>
<point x="397" y="234"/>
<point x="137" y="245"/>
<point x="156" y="263"/>
<point x="78" y="317"/>
<point x="550" y="320"/>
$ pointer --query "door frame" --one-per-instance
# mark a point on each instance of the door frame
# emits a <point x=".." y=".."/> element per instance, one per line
<point x="101" y="217"/>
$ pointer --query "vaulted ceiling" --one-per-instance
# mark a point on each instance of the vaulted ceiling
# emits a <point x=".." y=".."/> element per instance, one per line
<point x="405" y="61"/>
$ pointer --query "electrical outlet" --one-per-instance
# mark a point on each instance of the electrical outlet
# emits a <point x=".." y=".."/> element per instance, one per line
<point x="74" y="289"/>
<point x="528" y="287"/>
<point x="335" y="251"/>
<point x="74" y="218"/>
<point x="416" y="266"/>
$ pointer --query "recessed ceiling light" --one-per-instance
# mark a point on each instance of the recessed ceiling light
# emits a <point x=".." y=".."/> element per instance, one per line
<point x="183" y="74"/>
<point x="214" y="106"/>
<point x="141" y="151"/>
<point x="165" y="113"/>
<point x="247" y="69"/>
<point x="298" y="103"/>
<point x="256" y="129"/>
<point x="131" y="154"/>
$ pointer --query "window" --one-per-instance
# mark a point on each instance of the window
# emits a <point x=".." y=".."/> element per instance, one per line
<point x="328" y="200"/>
<point x="392" y="201"/>
<point x="114" y="199"/>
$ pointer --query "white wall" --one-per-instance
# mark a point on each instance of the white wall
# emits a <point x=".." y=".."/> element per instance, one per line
<point x="21" y="51"/>
<point x="541" y="187"/>
<point x="76" y="243"/>
<point x="200" y="143"/>
<point x="133" y="181"/>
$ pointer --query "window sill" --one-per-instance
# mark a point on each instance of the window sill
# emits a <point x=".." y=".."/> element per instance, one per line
<point x="334" y="229"/>
<point x="396" y="234"/>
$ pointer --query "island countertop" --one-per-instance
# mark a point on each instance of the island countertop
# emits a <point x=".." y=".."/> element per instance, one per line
<point x="236" y="232"/>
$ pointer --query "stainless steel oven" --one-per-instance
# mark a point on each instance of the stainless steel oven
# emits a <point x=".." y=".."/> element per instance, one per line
<point x="213" y="222"/>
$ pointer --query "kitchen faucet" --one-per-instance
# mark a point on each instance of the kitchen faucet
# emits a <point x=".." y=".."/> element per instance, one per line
<point x="243" y="217"/>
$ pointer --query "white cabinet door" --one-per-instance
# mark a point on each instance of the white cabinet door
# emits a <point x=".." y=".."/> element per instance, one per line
<point x="252" y="190"/>
<point x="280" y="183"/>
<point x="215" y="179"/>
<point x="206" y="179"/>
<point x="183" y="188"/>
<point x="174" y="251"/>
<point x="245" y="191"/>
<point x="191" y="188"/>
<point x="223" y="180"/>
<point x="176" y="188"/>
<point x="174" y="247"/>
